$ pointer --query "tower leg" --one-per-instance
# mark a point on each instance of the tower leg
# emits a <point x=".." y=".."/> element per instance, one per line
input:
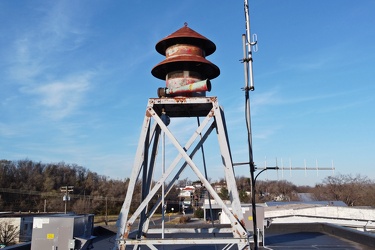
<point x="228" y="164"/>
<point x="122" y="225"/>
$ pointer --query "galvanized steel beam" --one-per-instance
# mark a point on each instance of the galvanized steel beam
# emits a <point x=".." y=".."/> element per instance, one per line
<point x="144" y="167"/>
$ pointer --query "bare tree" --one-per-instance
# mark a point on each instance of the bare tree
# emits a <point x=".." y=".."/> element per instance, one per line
<point x="354" y="191"/>
<point x="8" y="233"/>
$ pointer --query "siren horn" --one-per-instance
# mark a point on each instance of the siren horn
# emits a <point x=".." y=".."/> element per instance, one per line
<point x="200" y="86"/>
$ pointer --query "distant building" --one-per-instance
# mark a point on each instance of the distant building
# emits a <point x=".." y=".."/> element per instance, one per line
<point x="186" y="196"/>
<point x="187" y="191"/>
<point x="197" y="184"/>
<point x="217" y="187"/>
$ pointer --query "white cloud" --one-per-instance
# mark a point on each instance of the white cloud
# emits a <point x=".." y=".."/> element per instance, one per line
<point x="64" y="27"/>
<point x="41" y="44"/>
<point x="60" y="99"/>
<point x="25" y="61"/>
<point x="39" y="64"/>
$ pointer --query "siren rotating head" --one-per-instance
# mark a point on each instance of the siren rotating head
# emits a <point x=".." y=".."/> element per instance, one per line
<point x="201" y="86"/>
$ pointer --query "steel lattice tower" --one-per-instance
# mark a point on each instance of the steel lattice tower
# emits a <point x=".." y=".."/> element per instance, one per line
<point x="187" y="74"/>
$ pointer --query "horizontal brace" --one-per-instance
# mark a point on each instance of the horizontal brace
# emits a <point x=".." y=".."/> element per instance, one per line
<point x="241" y="163"/>
<point x="187" y="241"/>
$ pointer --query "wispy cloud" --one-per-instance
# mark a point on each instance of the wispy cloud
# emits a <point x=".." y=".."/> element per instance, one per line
<point x="26" y="61"/>
<point x="60" y="26"/>
<point x="38" y="65"/>
<point x="60" y="98"/>
<point x="267" y="132"/>
<point x="41" y="44"/>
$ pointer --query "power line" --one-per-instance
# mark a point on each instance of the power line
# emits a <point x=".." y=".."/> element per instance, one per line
<point x="52" y="194"/>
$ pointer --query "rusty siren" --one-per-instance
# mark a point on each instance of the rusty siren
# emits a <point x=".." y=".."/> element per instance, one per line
<point x="185" y="69"/>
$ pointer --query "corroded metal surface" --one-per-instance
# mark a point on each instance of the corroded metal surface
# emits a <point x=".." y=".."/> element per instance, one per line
<point x="182" y="106"/>
<point x="185" y="63"/>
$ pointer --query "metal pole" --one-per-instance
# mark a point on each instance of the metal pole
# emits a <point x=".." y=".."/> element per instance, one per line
<point x="249" y="85"/>
<point x="205" y="174"/>
<point x="250" y="146"/>
<point x="249" y="44"/>
<point x="252" y="169"/>
<point x="162" y="187"/>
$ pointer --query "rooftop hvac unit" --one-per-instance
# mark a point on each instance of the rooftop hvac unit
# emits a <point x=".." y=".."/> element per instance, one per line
<point x="65" y="232"/>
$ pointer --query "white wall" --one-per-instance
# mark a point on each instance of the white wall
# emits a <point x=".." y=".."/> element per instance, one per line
<point x="326" y="212"/>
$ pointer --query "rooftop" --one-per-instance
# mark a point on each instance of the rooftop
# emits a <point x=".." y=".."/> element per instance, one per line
<point x="292" y="227"/>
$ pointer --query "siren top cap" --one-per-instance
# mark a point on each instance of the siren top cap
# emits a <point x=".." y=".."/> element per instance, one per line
<point x="185" y="49"/>
<point x="185" y="35"/>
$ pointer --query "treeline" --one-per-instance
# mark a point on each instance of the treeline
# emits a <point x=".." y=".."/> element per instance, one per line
<point x="34" y="186"/>
<point x="38" y="187"/>
<point x="353" y="190"/>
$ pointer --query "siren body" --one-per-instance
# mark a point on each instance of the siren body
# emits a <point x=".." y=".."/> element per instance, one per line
<point x="185" y="65"/>
<point x="200" y="86"/>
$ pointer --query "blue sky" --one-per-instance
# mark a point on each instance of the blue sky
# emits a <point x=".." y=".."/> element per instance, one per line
<point x="75" y="80"/>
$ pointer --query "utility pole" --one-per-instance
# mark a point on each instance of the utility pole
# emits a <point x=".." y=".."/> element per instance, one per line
<point x="106" y="210"/>
<point x="66" y="190"/>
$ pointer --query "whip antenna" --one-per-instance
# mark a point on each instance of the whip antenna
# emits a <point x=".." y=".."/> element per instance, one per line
<point x="247" y="51"/>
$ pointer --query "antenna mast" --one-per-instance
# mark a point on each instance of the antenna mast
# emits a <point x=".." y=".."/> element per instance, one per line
<point x="247" y="50"/>
<point x="249" y="85"/>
